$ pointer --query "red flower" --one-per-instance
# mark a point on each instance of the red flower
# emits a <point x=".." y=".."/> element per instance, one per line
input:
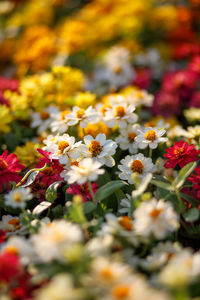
<point x="83" y="190"/>
<point x="2" y="236"/>
<point x="48" y="176"/>
<point x="9" y="267"/>
<point x="180" y="154"/>
<point x="9" y="168"/>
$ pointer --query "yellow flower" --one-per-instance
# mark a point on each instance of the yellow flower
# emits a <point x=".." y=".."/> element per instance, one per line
<point x="5" y="118"/>
<point x="19" y="105"/>
<point x="85" y="99"/>
<point x="93" y="130"/>
<point x="28" y="154"/>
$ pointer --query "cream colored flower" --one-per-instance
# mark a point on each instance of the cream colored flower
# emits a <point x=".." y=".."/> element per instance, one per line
<point x="156" y="218"/>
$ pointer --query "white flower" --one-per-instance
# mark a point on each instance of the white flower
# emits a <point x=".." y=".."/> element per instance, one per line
<point x="139" y="97"/>
<point x="106" y="273"/>
<point x="150" y="137"/>
<point x="135" y="164"/>
<point x="177" y="131"/>
<point x="122" y="227"/>
<point x="59" y="288"/>
<point x="43" y="119"/>
<point x="160" y="255"/>
<point x="54" y="238"/>
<point x="155" y="217"/>
<point x="182" y="269"/>
<point x="115" y="69"/>
<point x="120" y="115"/>
<point x="87" y="170"/>
<point x="62" y="147"/>
<point x="125" y="205"/>
<point x="21" y="247"/>
<point x="18" y="197"/>
<point x="10" y="224"/>
<point x="82" y="116"/>
<point x="60" y="122"/>
<point x="127" y="138"/>
<point x="100" y="149"/>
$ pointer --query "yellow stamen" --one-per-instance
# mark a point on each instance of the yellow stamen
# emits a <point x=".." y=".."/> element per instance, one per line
<point x="150" y="135"/>
<point x="95" y="148"/>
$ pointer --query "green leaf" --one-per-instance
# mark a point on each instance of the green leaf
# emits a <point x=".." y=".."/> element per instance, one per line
<point x="76" y="213"/>
<point x="51" y="192"/>
<point x="108" y="189"/>
<point x="183" y="174"/>
<point x="31" y="179"/>
<point x="58" y="211"/>
<point x="88" y="207"/>
<point x="191" y="215"/>
<point x="164" y="185"/>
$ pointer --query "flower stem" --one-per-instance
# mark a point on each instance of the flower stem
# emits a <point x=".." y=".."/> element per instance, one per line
<point x="91" y="192"/>
<point x="150" y="152"/>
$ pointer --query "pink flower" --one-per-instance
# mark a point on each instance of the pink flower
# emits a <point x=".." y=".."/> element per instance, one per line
<point x="9" y="168"/>
<point x="82" y="190"/>
<point x="163" y="101"/>
<point x="180" y="154"/>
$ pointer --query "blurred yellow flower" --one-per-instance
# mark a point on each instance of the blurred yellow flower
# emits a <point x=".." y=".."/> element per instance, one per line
<point x="28" y="154"/>
<point x="5" y="119"/>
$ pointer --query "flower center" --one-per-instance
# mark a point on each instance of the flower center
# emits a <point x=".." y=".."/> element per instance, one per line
<point x="80" y="113"/>
<point x="150" y="135"/>
<point x="155" y="213"/>
<point x="137" y="166"/>
<point x="126" y="223"/>
<point x="48" y="171"/>
<point x="120" y="111"/>
<point x="178" y="152"/>
<point x="75" y="163"/>
<point x="15" y="223"/>
<point x="18" y="197"/>
<point x="12" y="250"/>
<point x="44" y="115"/>
<point x="106" y="273"/>
<point x="121" y="291"/>
<point x="62" y="146"/>
<point x="84" y="188"/>
<point x="131" y="136"/>
<point x="3" y="165"/>
<point x="95" y="148"/>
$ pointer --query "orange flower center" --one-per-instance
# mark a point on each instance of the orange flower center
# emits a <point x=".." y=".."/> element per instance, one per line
<point x="12" y="250"/>
<point x="150" y="135"/>
<point x="131" y="136"/>
<point x="126" y="223"/>
<point x="62" y="146"/>
<point x="44" y="115"/>
<point x="120" y="111"/>
<point x="121" y="291"/>
<point x="137" y="166"/>
<point x="106" y="273"/>
<point x="178" y="152"/>
<point x="48" y="171"/>
<point x="15" y="223"/>
<point x="95" y="148"/>
<point x="75" y="163"/>
<point x="80" y="113"/>
<point x="3" y="165"/>
<point x="155" y="213"/>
